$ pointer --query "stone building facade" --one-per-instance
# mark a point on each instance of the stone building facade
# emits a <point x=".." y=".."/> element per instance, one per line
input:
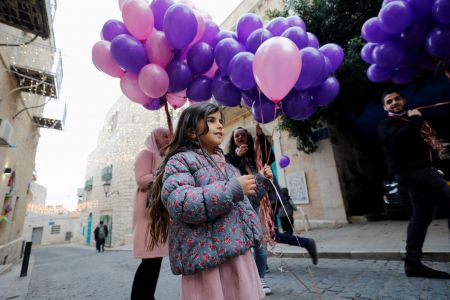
<point x="111" y="164"/>
<point x="30" y="76"/>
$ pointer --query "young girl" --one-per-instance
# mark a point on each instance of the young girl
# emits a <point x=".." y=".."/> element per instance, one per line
<point x="212" y="223"/>
<point x="145" y="167"/>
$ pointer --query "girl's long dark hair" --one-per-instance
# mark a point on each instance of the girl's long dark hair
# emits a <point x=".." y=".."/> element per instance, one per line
<point x="250" y="143"/>
<point x="188" y="123"/>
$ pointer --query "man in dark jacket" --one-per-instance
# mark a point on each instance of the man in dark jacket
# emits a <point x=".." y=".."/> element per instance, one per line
<point x="409" y="158"/>
<point x="100" y="234"/>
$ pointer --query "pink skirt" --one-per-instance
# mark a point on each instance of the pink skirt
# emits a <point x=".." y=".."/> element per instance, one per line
<point x="235" y="279"/>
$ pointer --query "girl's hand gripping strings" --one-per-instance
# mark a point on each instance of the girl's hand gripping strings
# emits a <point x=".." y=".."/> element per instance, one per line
<point x="267" y="172"/>
<point x="248" y="184"/>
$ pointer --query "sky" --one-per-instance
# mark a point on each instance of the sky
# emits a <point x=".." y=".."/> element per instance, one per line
<point x="62" y="155"/>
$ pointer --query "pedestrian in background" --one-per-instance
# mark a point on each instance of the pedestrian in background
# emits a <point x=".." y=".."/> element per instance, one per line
<point x="408" y="144"/>
<point x="286" y="214"/>
<point x="146" y="164"/>
<point x="100" y="235"/>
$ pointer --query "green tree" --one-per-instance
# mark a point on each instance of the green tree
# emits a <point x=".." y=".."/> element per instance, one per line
<point x="340" y="22"/>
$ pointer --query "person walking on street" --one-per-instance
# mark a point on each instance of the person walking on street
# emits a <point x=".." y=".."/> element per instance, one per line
<point x="408" y="143"/>
<point x="100" y="235"/>
<point x="145" y="167"/>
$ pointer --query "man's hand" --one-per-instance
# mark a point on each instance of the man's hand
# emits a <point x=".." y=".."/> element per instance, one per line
<point x="414" y="112"/>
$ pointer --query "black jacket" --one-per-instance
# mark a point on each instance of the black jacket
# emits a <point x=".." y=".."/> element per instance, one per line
<point x="97" y="229"/>
<point x="404" y="147"/>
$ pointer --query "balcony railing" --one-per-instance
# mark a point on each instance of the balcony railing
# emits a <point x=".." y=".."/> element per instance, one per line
<point x="33" y="16"/>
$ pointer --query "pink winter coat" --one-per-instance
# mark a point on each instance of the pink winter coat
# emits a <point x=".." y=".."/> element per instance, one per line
<point x="144" y="168"/>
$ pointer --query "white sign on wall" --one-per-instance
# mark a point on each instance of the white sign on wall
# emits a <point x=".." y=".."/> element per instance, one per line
<point x="298" y="190"/>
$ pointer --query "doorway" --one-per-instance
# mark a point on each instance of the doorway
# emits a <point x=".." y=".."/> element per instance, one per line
<point x="36" y="235"/>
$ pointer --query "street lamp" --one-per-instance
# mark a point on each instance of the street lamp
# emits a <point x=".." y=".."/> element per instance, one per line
<point x="106" y="187"/>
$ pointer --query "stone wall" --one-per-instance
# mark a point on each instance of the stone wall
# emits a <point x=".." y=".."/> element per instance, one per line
<point x="126" y="126"/>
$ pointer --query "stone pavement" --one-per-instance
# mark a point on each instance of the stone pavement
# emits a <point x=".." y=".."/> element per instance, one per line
<point x="371" y="245"/>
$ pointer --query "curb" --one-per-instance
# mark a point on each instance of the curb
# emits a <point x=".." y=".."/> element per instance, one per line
<point x="362" y="255"/>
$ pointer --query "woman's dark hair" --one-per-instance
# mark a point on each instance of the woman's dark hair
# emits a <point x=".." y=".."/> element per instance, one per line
<point x="188" y="123"/>
<point x="250" y="143"/>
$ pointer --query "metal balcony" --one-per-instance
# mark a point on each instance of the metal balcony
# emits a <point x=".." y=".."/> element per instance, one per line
<point x="37" y="66"/>
<point x="33" y="16"/>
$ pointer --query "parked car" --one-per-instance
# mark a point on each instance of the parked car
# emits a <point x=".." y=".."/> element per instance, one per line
<point x="396" y="203"/>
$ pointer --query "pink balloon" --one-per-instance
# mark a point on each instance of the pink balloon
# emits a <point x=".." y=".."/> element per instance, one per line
<point x="138" y="18"/>
<point x="177" y="100"/>
<point x="130" y="88"/>
<point x="158" y="49"/>
<point x="200" y="27"/>
<point x="153" y="81"/>
<point x="121" y="3"/>
<point x="103" y="60"/>
<point x="276" y="67"/>
<point x="212" y="71"/>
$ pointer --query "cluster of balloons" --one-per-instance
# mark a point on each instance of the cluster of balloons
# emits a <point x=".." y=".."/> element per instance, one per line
<point x="406" y="36"/>
<point x="172" y="51"/>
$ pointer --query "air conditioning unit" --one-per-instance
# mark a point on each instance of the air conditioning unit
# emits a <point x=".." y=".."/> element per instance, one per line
<point x="6" y="132"/>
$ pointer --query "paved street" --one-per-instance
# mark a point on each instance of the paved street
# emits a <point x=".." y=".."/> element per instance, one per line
<point x="79" y="273"/>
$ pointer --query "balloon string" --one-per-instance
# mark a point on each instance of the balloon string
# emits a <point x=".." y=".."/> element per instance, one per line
<point x="433" y="105"/>
<point x="308" y="268"/>
<point x="168" y="117"/>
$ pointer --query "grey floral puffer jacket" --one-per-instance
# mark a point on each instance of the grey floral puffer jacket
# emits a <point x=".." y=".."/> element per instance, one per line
<point x="212" y="220"/>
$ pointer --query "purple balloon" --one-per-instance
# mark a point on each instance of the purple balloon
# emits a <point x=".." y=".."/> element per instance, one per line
<point x="154" y="104"/>
<point x="438" y="43"/>
<point x="200" y="58"/>
<point x="225" y="50"/>
<point x="366" y="52"/>
<point x="312" y="40"/>
<point x="414" y="37"/>
<point x="441" y="12"/>
<point x="129" y="53"/>
<point x="225" y="92"/>
<point x="255" y="39"/>
<point x="326" y="92"/>
<point x="335" y="53"/>
<point x="312" y="68"/>
<point x="224" y="34"/>
<point x="200" y="89"/>
<point x="113" y="28"/>
<point x="371" y="31"/>
<point x="297" y="105"/>
<point x="180" y="25"/>
<point x="296" y="21"/>
<point x="403" y="75"/>
<point x="247" y="100"/>
<point x="211" y="31"/>
<point x="159" y="8"/>
<point x="395" y="17"/>
<point x="284" y="161"/>
<point x="277" y="26"/>
<point x="298" y="36"/>
<point x="421" y="8"/>
<point x="411" y="58"/>
<point x="326" y="72"/>
<point x="180" y="76"/>
<point x="264" y="110"/>
<point x="389" y="54"/>
<point x="240" y="70"/>
<point x="378" y="74"/>
<point x="246" y="25"/>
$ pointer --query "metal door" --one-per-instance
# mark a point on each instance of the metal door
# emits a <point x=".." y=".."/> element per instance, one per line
<point x="36" y="235"/>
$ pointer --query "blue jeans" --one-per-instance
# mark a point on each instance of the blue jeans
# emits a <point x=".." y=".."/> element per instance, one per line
<point x="260" y="255"/>
<point x="261" y="259"/>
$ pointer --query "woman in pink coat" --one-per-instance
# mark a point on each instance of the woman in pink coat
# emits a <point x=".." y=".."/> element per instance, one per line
<point x="147" y="162"/>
